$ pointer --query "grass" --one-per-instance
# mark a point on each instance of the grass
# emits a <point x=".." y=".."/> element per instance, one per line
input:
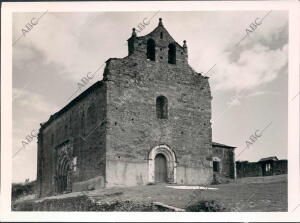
<point x="247" y="194"/>
<point x="253" y="194"/>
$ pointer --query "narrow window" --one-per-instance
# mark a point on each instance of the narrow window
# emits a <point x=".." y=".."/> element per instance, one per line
<point x="151" y="49"/>
<point x="172" y="54"/>
<point x="161" y="35"/>
<point x="52" y="139"/>
<point x="216" y="166"/>
<point x="162" y="107"/>
<point x="82" y="123"/>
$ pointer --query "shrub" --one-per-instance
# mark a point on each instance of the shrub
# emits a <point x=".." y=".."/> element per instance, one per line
<point x="22" y="189"/>
<point x="205" y="206"/>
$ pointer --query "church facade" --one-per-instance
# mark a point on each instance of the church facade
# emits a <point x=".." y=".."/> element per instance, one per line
<point x="147" y="121"/>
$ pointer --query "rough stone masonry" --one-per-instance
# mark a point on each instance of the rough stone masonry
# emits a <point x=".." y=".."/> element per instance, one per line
<point x="147" y="121"/>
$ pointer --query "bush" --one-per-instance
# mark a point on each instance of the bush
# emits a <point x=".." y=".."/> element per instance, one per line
<point x="22" y="189"/>
<point x="205" y="206"/>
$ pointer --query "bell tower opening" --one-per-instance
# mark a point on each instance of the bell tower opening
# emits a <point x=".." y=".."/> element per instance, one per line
<point x="172" y="54"/>
<point x="151" y="49"/>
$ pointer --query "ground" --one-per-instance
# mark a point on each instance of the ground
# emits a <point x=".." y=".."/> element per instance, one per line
<point x="246" y="194"/>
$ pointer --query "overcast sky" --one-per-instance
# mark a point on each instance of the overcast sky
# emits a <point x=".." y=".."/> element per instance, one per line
<point x="248" y="80"/>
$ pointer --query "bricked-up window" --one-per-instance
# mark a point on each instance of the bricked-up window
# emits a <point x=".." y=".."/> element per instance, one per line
<point x="91" y="115"/>
<point x="162" y="107"/>
<point x="216" y="166"/>
<point x="172" y="54"/>
<point x="151" y="49"/>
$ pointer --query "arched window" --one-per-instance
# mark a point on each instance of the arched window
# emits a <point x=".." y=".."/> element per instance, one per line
<point x="172" y="54"/>
<point x="162" y="107"/>
<point x="151" y="49"/>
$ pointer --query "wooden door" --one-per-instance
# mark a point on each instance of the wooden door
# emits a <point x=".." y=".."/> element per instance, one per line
<point x="160" y="168"/>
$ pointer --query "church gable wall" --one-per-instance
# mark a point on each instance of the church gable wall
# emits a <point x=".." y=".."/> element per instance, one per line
<point x="133" y="85"/>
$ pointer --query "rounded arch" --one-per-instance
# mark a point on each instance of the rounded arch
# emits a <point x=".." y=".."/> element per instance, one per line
<point x="151" y="49"/>
<point x="215" y="158"/>
<point x="171" y="163"/>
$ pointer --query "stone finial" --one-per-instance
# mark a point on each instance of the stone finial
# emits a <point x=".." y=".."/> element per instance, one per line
<point x="133" y="33"/>
<point x="160" y="22"/>
<point x="184" y="46"/>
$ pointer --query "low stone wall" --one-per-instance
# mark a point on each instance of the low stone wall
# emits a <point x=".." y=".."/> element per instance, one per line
<point x="91" y="184"/>
<point x="84" y="203"/>
<point x="254" y="169"/>
<point x="280" y="167"/>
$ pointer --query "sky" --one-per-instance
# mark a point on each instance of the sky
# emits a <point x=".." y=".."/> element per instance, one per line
<point x="247" y="69"/>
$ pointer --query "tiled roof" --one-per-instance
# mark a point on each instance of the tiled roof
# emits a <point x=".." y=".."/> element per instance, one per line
<point x="274" y="158"/>
<point x="222" y="145"/>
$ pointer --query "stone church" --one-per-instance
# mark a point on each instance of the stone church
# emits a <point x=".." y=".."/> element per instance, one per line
<point x="147" y="121"/>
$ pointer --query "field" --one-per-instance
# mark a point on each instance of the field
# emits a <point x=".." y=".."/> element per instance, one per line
<point x="244" y="195"/>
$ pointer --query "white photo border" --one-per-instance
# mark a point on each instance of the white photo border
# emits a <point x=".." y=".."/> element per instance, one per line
<point x="293" y="213"/>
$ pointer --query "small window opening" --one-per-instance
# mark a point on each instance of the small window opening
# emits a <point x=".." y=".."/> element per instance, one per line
<point x="216" y="166"/>
<point x="161" y="35"/>
<point x="268" y="167"/>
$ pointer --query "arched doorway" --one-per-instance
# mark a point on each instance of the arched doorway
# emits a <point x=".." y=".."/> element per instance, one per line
<point x="162" y="165"/>
<point x="63" y="175"/>
<point x="160" y="168"/>
<point x="64" y="171"/>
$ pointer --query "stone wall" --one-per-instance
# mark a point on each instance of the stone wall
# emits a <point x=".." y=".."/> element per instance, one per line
<point x="253" y="169"/>
<point x="248" y="169"/>
<point x="280" y="167"/>
<point x="226" y="156"/>
<point x="133" y="84"/>
<point x="81" y="127"/>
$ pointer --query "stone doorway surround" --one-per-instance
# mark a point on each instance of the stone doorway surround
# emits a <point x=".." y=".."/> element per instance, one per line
<point x="171" y="163"/>
<point x="64" y="167"/>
